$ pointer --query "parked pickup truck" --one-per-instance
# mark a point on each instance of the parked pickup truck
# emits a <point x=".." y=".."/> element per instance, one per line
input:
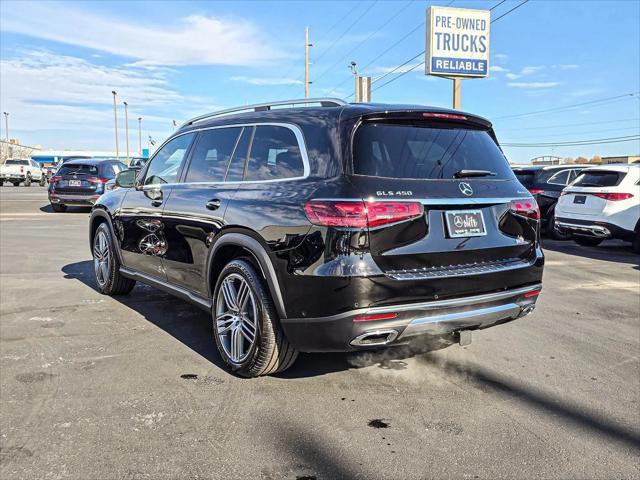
<point x="18" y="171"/>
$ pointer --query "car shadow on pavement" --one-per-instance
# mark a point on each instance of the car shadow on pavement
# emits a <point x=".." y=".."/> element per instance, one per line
<point x="556" y="407"/>
<point x="186" y="323"/>
<point x="610" y="251"/>
<point x="192" y="327"/>
<point x="48" y="209"/>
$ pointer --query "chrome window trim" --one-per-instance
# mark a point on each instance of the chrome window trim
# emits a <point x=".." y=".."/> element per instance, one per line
<point x="302" y="146"/>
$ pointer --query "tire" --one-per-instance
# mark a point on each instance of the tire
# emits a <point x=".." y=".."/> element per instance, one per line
<point x="552" y="232"/>
<point x="58" y="208"/>
<point x="16" y="184"/>
<point x="27" y="180"/>
<point x="587" y="241"/>
<point x="106" y="265"/>
<point x="43" y="180"/>
<point x="636" y="243"/>
<point x="1" y="183"/>
<point x="261" y="347"/>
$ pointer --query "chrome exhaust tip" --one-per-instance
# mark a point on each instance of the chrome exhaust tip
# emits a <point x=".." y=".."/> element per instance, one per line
<point x="375" y="337"/>
<point x="527" y="309"/>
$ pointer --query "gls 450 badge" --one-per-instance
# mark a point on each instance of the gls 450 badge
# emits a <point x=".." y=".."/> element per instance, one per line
<point x="394" y="193"/>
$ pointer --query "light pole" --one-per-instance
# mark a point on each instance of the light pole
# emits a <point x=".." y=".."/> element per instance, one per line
<point x="140" y="134"/>
<point x="6" y="125"/>
<point x="126" y="128"/>
<point x="115" y="120"/>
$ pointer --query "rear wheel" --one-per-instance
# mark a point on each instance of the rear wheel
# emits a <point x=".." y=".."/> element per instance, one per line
<point x="1" y="183"/>
<point x="636" y="243"/>
<point x="27" y="180"/>
<point x="43" y="180"/>
<point x="587" y="241"/>
<point x="16" y="184"/>
<point x="106" y="265"/>
<point x="552" y="231"/>
<point x="58" y="208"/>
<point x="246" y="327"/>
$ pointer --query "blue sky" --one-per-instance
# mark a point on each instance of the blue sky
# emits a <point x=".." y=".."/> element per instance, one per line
<point x="170" y="60"/>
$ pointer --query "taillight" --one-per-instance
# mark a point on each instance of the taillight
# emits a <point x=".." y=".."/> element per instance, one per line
<point x="614" y="197"/>
<point x="21" y="169"/>
<point x="55" y="179"/>
<point x="535" y="191"/>
<point x="358" y="214"/>
<point x="97" y="180"/>
<point x="527" y="207"/>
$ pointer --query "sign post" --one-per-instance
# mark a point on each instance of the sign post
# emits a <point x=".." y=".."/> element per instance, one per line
<point x="457" y="45"/>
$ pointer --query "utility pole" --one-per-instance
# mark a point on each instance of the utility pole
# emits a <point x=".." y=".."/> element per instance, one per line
<point x="126" y="128"/>
<point x="115" y="120"/>
<point x="6" y="125"/>
<point x="306" y="61"/>
<point x="456" y="92"/>
<point x="140" y="134"/>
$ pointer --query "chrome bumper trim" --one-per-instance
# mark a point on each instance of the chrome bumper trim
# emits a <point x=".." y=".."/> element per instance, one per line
<point x="597" y="230"/>
<point x="477" y="268"/>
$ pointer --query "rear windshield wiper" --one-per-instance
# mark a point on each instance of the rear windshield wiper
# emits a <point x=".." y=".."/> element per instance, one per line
<point x="474" y="173"/>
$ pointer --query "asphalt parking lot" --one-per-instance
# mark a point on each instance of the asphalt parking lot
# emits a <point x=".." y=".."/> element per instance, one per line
<point x="94" y="387"/>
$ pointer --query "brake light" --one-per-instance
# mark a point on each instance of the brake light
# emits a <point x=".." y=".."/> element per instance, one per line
<point x="447" y="116"/>
<point x="55" y="179"/>
<point x="614" y="197"/>
<point x="535" y="191"/>
<point x="379" y="316"/>
<point x="21" y="169"/>
<point x="527" y="207"/>
<point x="358" y="214"/>
<point x="97" y="180"/>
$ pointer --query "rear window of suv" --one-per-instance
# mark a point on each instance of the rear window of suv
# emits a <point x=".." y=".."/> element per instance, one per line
<point x="78" y="170"/>
<point x="525" y="177"/>
<point x="414" y="151"/>
<point x="599" y="178"/>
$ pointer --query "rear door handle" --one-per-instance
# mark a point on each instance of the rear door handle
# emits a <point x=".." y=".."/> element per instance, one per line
<point x="213" y="204"/>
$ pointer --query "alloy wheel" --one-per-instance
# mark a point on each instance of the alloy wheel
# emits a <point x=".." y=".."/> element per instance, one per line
<point x="101" y="258"/>
<point x="236" y="317"/>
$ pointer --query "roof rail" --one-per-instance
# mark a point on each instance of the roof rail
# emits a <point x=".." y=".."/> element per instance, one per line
<point x="259" y="107"/>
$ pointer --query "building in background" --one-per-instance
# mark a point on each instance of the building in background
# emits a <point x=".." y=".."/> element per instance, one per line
<point x="52" y="157"/>
<point x="547" y="160"/>
<point x="623" y="159"/>
<point x="13" y="149"/>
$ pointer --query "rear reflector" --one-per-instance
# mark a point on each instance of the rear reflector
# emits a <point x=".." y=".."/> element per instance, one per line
<point x="447" y="116"/>
<point x="379" y="316"/>
<point x="614" y="197"/>
<point x="535" y="293"/>
<point x="527" y="207"/>
<point x="358" y="214"/>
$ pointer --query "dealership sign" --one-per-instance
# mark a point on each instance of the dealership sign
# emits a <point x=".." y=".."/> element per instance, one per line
<point x="457" y="42"/>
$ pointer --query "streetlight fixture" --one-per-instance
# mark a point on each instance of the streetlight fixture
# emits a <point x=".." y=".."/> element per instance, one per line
<point x="126" y="128"/>
<point x="115" y="121"/>
<point x="140" y="134"/>
<point x="6" y="125"/>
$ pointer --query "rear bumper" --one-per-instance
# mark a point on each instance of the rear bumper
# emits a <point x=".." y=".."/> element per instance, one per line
<point x="13" y="177"/>
<point x="77" y="199"/>
<point x="342" y="333"/>
<point x="589" y="228"/>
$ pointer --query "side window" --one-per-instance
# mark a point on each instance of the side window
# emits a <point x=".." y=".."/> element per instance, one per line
<point x="211" y="155"/>
<point x="574" y="174"/>
<point x="560" y="178"/>
<point x="166" y="162"/>
<point x="275" y="155"/>
<point x="235" y="171"/>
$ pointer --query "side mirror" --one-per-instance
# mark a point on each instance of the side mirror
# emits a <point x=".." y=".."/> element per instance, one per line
<point x="126" y="178"/>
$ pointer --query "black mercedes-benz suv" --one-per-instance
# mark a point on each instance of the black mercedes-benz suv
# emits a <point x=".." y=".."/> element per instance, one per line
<point x="317" y="225"/>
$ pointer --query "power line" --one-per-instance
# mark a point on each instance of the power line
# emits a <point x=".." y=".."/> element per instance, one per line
<point x="423" y="51"/>
<point x="396" y="78"/>
<point x="596" y="141"/>
<point x="346" y="55"/>
<point x="547" y="127"/>
<point x="497" y="5"/>
<point x="568" y="107"/>
<point x="599" y="131"/>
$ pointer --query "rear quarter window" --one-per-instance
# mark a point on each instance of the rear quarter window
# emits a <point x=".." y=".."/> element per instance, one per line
<point x="416" y="151"/>
<point x="275" y="155"/>
<point x="599" y="178"/>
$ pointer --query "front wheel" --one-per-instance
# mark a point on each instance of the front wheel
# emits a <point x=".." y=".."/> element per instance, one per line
<point x="246" y="327"/>
<point x="27" y="180"/>
<point x="107" y="266"/>
<point x="587" y="241"/>
<point x="43" y="181"/>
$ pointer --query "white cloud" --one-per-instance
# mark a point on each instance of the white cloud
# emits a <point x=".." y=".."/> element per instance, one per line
<point x="498" y="68"/>
<point x="192" y="40"/>
<point x="526" y="71"/>
<point x="566" y="66"/>
<point x="533" y="85"/>
<point x="266" y="81"/>
<point x="500" y="56"/>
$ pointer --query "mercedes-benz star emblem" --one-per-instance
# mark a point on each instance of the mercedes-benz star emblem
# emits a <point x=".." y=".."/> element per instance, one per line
<point x="465" y="188"/>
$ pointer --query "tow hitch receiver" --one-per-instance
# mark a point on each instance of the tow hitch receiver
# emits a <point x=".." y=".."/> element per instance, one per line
<point x="464" y="337"/>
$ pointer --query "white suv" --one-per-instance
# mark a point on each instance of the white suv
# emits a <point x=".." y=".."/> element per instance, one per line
<point x="603" y="202"/>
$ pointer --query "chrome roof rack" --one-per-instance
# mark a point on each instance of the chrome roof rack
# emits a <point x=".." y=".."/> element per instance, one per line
<point x="260" y="107"/>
